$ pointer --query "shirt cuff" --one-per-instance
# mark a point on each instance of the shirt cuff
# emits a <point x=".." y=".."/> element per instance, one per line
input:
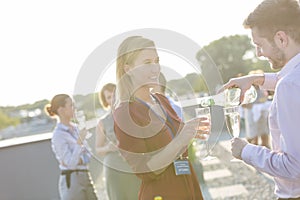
<point x="247" y="153"/>
<point x="270" y="81"/>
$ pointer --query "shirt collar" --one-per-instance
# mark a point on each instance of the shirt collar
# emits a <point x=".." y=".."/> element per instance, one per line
<point x="63" y="127"/>
<point x="289" y="66"/>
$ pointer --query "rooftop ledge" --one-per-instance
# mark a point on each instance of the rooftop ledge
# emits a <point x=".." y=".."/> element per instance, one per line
<point x="25" y="139"/>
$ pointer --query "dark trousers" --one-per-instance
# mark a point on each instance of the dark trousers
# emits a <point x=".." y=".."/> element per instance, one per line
<point x="298" y="198"/>
<point x="68" y="173"/>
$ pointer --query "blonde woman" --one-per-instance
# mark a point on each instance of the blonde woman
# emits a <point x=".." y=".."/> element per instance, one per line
<point x="70" y="150"/>
<point x="120" y="182"/>
<point x="151" y="136"/>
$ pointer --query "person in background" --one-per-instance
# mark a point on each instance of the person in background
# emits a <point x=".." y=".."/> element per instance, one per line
<point x="275" y="27"/>
<point x="161" y="88"/>
<point x="151" y="136"/>
<point x="120" y="181"/>
<point x="70" y="149"/>
<point x="256" y="117"/>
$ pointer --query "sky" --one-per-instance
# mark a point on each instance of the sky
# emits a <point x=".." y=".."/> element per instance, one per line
<point x="43" y="44"/>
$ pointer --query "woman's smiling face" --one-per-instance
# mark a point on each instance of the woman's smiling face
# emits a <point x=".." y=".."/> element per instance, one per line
<point x="145" y="70"/>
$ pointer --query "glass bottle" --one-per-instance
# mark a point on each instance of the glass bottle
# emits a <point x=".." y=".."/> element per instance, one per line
<point x="229" y="97"/>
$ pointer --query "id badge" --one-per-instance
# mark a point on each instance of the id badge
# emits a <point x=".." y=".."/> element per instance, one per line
<point x="182" y="167"/>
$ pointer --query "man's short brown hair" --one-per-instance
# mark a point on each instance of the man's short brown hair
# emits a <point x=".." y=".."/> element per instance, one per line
<point x="272" y="16"/>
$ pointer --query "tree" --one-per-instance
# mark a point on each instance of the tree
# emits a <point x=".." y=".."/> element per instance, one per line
<point x="7" y="121"/>
<point x="191" y="83"/>
<point x="231" y="55"/>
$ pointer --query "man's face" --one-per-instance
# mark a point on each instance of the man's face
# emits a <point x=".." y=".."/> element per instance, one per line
<point x="269" y="50"/>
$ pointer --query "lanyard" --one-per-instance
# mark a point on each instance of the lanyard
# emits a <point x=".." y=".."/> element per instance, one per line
<point x="158" y="116"/>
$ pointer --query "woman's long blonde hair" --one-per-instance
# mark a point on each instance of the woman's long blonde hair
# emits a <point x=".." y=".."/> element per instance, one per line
<point x="127" y="53"/>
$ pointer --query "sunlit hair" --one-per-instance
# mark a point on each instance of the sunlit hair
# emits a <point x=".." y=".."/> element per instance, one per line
<point x="57" y="101"/>
<point x="162" y="82"/>
<point x="272" y="16"/>
<point x="127" y="53"/>
<point x="107" y="87"/>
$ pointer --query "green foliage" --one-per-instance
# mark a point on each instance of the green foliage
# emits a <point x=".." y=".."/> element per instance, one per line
<point x="261" y="64"/>
<point x="197" y="81"/>
<point x="89" y="103"/>
<point x="6" y="121"/>
<point x="190" y="83"/>
<point x="9" y="116"/>
<point x="232" y="55"/>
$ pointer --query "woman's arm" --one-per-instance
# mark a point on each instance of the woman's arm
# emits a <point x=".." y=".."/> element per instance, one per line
<point x="161" y="159"/>
<point x="102" y="147"/>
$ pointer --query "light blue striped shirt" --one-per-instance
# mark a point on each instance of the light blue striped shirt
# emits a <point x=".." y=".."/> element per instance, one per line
<point x="66" y="149"/>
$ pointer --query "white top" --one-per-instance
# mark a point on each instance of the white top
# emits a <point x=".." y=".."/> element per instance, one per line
<point x="258" y="109"/>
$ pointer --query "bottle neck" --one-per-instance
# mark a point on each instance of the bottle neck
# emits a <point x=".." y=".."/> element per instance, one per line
<point x="229" y="97"/>
<point x="217" y="99"/>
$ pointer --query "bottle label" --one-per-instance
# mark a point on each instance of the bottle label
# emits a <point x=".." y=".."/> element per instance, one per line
<point x="206" y="102"/>
<point x="211" y="102"/>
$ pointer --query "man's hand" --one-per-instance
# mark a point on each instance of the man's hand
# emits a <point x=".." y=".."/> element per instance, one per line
<point x="237" y="146"/>
<point x="244" y="83"/>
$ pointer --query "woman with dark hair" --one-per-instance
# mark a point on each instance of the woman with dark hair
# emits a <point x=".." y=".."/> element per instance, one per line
<point x="70" y="149"/>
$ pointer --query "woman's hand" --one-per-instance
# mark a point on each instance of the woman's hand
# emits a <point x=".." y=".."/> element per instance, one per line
<point x="195" y="127"/>
<point x="203" y="129"/>
<point x="82" y="135"/>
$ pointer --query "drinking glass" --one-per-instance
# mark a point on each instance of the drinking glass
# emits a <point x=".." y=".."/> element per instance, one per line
<point x="232" y="119"/>
<point x="80" y="118"/>
<point x="205" y="113"/>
